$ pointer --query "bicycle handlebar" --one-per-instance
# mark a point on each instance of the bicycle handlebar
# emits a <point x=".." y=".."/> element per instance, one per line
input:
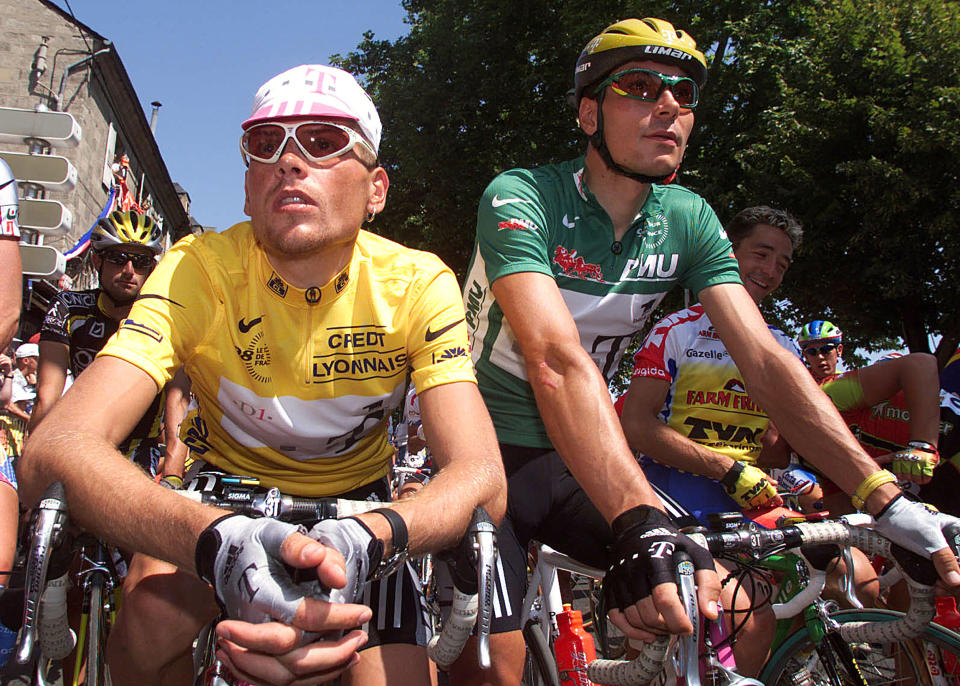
<point x="474" y="607"/>
<point x="645" y="668"/>
<point x="288" y="508"/>
<point x="48" y="527"/>
<point x="471" y="608"/>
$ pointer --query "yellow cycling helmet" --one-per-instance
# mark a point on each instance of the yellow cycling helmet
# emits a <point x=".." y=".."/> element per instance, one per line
<point x="637" y="39"/>
<point x="127" y="228"/>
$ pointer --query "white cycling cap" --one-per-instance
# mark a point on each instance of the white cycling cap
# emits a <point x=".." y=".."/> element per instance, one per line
<point x="27" y="350"/>
<point x="316" y="90"/>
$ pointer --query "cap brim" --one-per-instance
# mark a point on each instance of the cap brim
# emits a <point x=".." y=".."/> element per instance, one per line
<point x="295" y="110"/>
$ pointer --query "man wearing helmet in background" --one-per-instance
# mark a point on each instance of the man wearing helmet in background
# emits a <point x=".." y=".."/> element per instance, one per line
<point x="570" y="261"/>
<point x="893" y="407"/>
<point x="822" y="346"/>
<point x="124" y="250"/>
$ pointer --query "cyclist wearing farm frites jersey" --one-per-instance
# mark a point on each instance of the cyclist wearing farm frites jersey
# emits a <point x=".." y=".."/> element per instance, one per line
<point x="687" y="410"/>
<point x="547" y="220"/>
<point x="316" y="427"/>
<point x="708" y="403"/>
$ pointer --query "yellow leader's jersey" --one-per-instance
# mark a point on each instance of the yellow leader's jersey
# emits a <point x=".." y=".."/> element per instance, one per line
<point x="295" y="386"/>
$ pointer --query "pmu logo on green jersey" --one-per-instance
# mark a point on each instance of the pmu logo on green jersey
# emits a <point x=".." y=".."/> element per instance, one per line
<point x="650" y="267"/>
<point x="475" y="298"/>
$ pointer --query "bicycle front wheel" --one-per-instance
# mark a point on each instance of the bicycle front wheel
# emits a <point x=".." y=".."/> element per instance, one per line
<point x="541" y="667"/>
<point x="97" y="674"/>
<point x="832" y="662"/>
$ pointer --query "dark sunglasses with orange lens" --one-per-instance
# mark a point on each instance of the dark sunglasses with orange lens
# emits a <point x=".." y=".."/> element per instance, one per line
<point x="648" y="85"/>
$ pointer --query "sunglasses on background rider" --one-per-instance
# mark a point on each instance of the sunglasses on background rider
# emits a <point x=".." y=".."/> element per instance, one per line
<point x="648" y="85"/>
<point x="121" y="257"/>
<point x="318" y="140"/>
<point x="813" y="350"/>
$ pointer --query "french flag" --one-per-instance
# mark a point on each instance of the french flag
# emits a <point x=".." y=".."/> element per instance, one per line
<point x="84" y="242"/>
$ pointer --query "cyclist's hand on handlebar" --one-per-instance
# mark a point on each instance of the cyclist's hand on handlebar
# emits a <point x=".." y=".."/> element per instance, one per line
<point x="751" y="486"/>
<point x="640" y="585"/>
<point x="272" y="653"/>
<point x="920" y="530"/>
<point x="247" y="561"/>
<point x="916" y="462"/>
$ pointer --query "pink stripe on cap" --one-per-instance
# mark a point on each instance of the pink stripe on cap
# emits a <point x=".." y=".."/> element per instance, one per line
<point x="316" y="90"/>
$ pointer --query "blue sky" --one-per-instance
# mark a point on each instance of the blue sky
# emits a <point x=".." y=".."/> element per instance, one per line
<point x="205" y="59"/>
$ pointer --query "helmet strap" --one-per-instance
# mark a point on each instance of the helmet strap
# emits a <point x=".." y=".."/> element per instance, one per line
<point x="598" y="141"/>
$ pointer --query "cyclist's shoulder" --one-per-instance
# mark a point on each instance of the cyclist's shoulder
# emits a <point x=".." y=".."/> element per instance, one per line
<point x="673" y="196"/>
<point x="784" y="339"/>
<point x="544" y="183"/>
<point x="692" y="318"/>
<point x="391" y="260"/>
<point x="229" y="245"/>
<point x="222" y="256"/>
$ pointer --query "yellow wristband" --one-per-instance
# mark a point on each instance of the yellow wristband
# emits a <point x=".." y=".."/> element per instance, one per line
<point x="869" y="485"/>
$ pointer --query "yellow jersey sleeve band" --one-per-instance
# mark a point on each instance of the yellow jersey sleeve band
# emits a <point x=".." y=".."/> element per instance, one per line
<point x="295" y="386"/>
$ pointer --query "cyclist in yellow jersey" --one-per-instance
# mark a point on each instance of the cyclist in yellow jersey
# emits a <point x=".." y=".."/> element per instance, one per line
<point x="298" y="331"/>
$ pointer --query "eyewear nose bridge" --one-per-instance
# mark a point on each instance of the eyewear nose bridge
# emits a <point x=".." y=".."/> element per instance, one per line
<point x="814" y="350"/>
<point x="291" y="131"/>
<point x="685" y="90"/>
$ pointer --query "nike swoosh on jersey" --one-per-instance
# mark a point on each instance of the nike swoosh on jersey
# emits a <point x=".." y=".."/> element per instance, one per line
<point x="246" y="326"/>
<point x="431" y="335"/>
<point x="497" y="202"/>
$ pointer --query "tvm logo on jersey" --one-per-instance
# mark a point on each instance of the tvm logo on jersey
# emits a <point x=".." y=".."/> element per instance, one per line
<point x="516" y="225"/>
<point x="357" y="353"/>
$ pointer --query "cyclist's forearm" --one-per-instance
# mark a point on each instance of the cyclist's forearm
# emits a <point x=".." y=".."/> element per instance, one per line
<point x="454" y="491"/>
<point x="582" y="425"/>
<point x="16" y="411"/>
<point x="111" y="497"/>
<point x="920" y="382"/>
<point x="809" y="420"/>
<point x="43" y="405"/>
<point x="656" y="440"/>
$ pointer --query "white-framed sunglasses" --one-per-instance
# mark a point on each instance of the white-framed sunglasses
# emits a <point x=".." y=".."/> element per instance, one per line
<point x="318" y="140"/>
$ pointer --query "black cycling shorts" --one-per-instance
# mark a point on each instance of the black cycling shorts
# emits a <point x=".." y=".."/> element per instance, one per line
<point x="546" y="504"/>
<point x="399" y="612"/>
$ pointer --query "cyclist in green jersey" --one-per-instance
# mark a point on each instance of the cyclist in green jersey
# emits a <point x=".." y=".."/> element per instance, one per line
<point x="570" y="261"/>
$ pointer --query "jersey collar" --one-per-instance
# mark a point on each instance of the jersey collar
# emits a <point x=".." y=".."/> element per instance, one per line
<point x="314" y="296"/>
<point x="651" y="206"/>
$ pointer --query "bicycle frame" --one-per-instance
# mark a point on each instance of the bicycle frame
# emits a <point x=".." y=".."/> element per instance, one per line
<point x="543" y="602"/>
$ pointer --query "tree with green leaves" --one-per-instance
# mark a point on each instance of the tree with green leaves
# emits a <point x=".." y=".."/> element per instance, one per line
<point x="845" y="113"/>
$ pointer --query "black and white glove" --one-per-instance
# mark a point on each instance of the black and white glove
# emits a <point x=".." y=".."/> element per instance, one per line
<point x="356" y="543"/>
<point x="914" y="527"/>
<point x="645" y="540"/>
<point x="240" y="558"/>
